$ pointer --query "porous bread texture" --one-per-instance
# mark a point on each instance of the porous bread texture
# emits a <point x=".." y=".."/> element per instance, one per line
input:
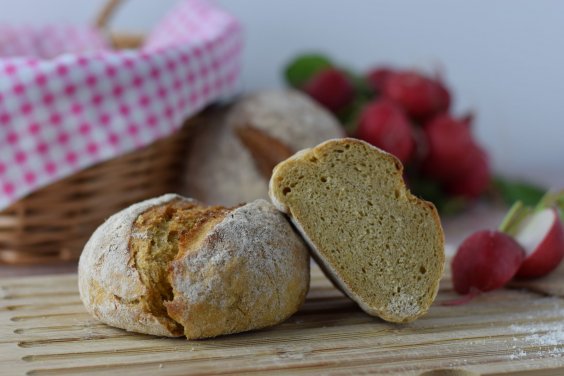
<point x="171" y="266"/>
<point x="231" y="156"/>
<point x="378" y="243"/>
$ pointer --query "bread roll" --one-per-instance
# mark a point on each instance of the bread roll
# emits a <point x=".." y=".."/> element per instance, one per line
<point x="231" y="156"/>
<point x="171" y="266"/>
<point x="381" y="245"/>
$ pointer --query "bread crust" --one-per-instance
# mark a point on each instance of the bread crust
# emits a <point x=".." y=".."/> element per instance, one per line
<point x="341" y="280"/>
<point x="288" y="116"/>
<point x="109" y="284"/>
<point x="247" y="272"/>
<point x="230" y="158"/>
<point x="244" y="270"/>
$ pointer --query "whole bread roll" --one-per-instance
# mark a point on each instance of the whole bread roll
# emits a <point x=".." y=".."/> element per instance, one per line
<point x="231" y="156"/>
<point x="380" y="244"/>
<point x="171" y="266"/>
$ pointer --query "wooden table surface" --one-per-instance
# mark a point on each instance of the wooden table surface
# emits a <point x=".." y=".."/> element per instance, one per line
<point x="44" y="330"/>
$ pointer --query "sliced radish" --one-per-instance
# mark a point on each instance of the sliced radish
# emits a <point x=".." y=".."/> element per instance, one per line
<point x="485" y="261"/>
<point x="542" y="237"/>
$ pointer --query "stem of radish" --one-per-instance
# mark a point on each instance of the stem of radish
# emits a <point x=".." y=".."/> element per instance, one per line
<point x="514" y="217"/>
<point x="518" y="212"/>
<point x="552" y="199"/>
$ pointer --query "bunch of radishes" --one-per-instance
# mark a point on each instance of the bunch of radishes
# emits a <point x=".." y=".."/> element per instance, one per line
<point x="528" y="244"/>
<point x="407" y="114"/>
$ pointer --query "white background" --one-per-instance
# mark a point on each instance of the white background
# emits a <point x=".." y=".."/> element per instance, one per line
<point x="504" y="59"/>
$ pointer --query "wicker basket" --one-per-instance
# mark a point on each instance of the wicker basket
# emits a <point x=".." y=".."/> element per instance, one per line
<point x="53" y="224"/>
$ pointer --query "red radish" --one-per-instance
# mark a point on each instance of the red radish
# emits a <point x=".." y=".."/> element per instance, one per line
<point x="384" y="125"/>
<point x="473" y="177"/>
<point x="451" y="148"/>
<point x="331" y="88"/>
<point x="442" y="96"/>
<point x="542" y="236"/>
<point x="485" y="261"/>
<point x="377" y="78"/>
<point x="420" y="96"/>
<point x="468" y="119"/>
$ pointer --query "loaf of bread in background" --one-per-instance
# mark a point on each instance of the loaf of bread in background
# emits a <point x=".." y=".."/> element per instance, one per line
<point x="231" y="156"/>
<point x="171" y="266"/>
<point x="381" y="245"/>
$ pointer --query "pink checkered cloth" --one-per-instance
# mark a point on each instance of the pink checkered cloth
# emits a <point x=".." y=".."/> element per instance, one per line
<point x="61" y="112"/>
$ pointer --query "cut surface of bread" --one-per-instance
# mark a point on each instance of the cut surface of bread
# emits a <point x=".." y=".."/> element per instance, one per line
<point x="171" y="266"/>
<point x="381" y="245"/>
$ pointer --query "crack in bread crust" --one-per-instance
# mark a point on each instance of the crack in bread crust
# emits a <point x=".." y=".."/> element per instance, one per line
<point x="219" y="283"/>
<point x="168" y="266"/>
<point x="156" y="238"/>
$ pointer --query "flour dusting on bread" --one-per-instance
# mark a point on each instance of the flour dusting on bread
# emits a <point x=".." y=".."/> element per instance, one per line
<point x="172" y="266"/>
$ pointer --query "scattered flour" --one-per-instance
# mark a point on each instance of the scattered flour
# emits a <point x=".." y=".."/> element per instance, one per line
<point x="541" y="340"/>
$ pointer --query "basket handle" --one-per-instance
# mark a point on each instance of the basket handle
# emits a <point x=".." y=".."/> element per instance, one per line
<point x="106" y="13"/>
<point x="118" y="40"/>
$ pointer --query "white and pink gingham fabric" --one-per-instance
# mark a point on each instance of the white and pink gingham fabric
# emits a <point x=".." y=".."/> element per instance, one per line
<point x="62" y="112"/>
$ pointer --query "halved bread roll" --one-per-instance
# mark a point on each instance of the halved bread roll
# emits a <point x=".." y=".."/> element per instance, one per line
<point x="381" y="245"/>
<point x="171" y="266"/>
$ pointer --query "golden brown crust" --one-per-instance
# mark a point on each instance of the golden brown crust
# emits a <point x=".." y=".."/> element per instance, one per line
<point x="249" y="271"/>
<point x="109" y="283"/>
<point x="193" y="269"/>
<point x="157" y="236"/>
<point x="267" y="151"/>
<point x="381" y="245"/>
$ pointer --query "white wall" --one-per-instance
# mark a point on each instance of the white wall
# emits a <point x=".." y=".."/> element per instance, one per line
<point x="504" y="58"/>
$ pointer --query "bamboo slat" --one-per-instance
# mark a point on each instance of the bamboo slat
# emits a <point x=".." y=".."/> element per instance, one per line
<point x="45" y="331"/>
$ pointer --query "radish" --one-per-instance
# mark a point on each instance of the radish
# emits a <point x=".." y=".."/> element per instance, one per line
<point x="541" y="234"/>
<point x="420" y="96"/>
<point x="383" y="124"/>
<point x="331" y="88"/>
<point x="377" y="78"/>
<point x="542" y="237"/>
<point x="473" y="177"/>
<point x="454" y="158"/>
<point x="485" y="261"/>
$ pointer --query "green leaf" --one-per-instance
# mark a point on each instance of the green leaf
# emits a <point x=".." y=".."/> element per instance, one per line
<point x="361" y="86"/>
<point x="512" y="191"/>
<point x="350" y="115"/>
<point x="364" y="94"/>
<point x="302" y="68"/>
<point x="431" y="191"/>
